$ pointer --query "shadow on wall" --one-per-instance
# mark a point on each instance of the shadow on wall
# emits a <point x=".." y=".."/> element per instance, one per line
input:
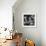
<point x="22" y="7"/>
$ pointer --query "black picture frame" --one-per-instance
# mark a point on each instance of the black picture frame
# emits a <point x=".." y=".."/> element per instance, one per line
<point x="29" y="20"/>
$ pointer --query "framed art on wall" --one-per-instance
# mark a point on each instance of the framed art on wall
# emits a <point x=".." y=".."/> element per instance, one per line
<point x="29" y="20"/>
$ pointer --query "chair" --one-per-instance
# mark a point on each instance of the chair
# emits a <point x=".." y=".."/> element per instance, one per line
<point x="29" y="43"/>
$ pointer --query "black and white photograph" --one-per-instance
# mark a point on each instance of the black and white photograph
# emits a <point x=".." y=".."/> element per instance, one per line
<point x="29" y="20"/>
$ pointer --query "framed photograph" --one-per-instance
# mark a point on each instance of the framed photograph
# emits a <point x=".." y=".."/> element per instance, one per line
<point x="29" y="20"/>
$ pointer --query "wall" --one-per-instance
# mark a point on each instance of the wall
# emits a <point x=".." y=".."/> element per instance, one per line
<point x="28" y="6"/>
<point x="43" y="22"/>
<point x="6" y="13"/>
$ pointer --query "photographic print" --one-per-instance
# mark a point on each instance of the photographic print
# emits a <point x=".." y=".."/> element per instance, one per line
<point x="29" y="20"/>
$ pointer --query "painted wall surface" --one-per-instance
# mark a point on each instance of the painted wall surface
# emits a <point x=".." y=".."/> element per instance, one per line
<point x="31" y="6"/>
<point x="6" y="13"/>
<point x="43" y="22"/>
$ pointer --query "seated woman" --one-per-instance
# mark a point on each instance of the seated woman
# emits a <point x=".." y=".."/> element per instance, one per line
<point x="18" y="39"/>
